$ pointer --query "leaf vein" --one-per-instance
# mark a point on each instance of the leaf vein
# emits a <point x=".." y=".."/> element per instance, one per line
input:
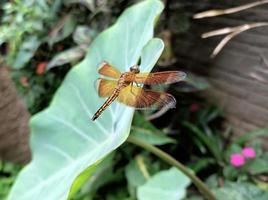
<point x="68" y="124"/>
<point x="82" y="102"/>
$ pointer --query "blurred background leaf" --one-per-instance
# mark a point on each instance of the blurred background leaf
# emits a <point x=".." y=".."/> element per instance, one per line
<point x="144" y="130"/>
<point x="26" y="52"/>
<point x="169" y="184"/>
<point x="240" y="191"/>
<point x="68" y="56"/>
<point x="64" y="27"/>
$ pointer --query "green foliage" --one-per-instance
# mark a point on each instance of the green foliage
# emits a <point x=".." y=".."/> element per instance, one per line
<point x="23" y="25"/>
<point x="144" y="130"/>
<point x="194" y="83"/>
<point x="65" y="26"/>
<point x="240" y="191"/>
<point x="134" y="175"/>
<point x="88" y="183"/>
<point x="259" y="165"/>
<point x="211" y="143"/>
<point x="251" y="135"/>
<point x="37" y="90"/>
<point x="254" y="166"/>
<point x="67" y="118"/>
<point x="62" y="30"/>
<point x="70" y="55"/>
<point x="169" y="184"/>
<point x="8" y="174"/>
<point x="216" y="148"/>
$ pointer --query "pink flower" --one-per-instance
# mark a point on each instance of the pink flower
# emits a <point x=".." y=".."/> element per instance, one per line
<point x="237" y="160"/>
<point x="249" y="152"/>
<point x="194" y="107"/>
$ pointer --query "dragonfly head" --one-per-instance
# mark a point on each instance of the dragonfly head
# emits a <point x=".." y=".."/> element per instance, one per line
<point x="135" y="69"/>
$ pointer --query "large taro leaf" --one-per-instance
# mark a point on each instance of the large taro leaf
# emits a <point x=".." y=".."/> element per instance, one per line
<point x="65" y="142"/>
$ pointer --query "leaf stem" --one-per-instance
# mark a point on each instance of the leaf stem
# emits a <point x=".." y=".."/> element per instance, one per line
<point x="164" y="156"/>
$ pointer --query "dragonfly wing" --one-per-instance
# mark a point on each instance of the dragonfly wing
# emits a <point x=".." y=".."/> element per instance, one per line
<point x="140" y="98"/>
<point x="107" y="70"/>
<point x="105" y="87"/>
<point x="166" y="77"/>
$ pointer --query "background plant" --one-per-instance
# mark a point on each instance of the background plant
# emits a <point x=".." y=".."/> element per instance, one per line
<point x="37" y="36"/>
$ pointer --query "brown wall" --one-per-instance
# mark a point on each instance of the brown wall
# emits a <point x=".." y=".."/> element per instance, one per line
<point x="14" y="131"/>
<point x="239" y="74"/>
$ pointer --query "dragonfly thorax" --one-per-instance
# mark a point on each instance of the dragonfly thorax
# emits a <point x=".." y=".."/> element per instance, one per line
<point x="126" y="78"/>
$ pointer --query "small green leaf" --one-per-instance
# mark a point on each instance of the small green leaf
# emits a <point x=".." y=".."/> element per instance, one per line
<point x="209" y="141"/>
<point x="200" y="164"/>
<point x="240" y="191"/>
<point x="146" y="131"/>
<point x="248" y="136"/>
<point x="82" y="35"/>
<point x="228" y="194"/>
<point x="169" y="184"/>
<point x="88" y="3"/>
<point x="134" y="177"/>
<point x="259" y="166"/>
<point x="26" y="51"/>
<point x="62" y="29"/>
<point x="230" y="172"/>
<point x="70" y="55"/>
<point x="151" y="137"/>
<point x="193" y="83"/>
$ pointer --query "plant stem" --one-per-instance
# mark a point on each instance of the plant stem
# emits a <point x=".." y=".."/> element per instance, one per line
<point x="164" y="156"/>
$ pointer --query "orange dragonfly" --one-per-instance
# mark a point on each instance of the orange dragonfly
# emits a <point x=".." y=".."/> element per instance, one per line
<point x="124" y="91"/>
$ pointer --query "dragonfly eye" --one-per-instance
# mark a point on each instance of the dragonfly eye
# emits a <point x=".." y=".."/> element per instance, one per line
<point x="135" y="69"/>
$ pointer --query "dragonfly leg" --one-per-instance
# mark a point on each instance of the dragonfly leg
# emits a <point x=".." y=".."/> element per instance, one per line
<point x="131" y="86"/>
<point x="137" y="84"/>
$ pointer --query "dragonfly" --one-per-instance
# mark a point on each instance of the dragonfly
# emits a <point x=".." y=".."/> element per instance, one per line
<point x="128" y="88"/>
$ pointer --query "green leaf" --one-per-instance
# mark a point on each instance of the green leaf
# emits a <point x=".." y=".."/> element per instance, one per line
<point x="91" y="182"/>
<point x="7" y="177"/>
<point x="146" y="131"/>
<point x="200" y="164"/>
<point x="248" y="136"/>
<point x="195" y="198"/>
<point x="82" y="178"/>
<point x="259" y="166"/>
<point x="82" y="35"/>
<point x="230" y="172"/>
<point x="67" y="56"/>
<point x="193" y="83"/>
<point x="228" y="194"/>
<point x="240" y="191"/>
<point x="134" y="177"/>
<point x="64" y="141"/>
<point x="62" y="29"/>
<point x="209" y="141"/>
<point x="169" y="184"/>
<point x="88" y="3"/>
<point x="26" y="52"/>
<point x="151" y="137"/>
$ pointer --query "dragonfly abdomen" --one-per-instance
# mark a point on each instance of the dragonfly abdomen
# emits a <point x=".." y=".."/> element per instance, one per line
<point x="106" y="103"/>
